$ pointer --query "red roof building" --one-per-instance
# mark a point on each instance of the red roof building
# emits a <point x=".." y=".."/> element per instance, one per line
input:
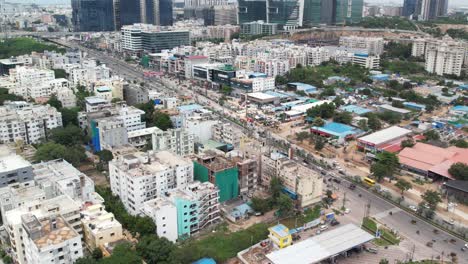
<point x="431" y="160"/>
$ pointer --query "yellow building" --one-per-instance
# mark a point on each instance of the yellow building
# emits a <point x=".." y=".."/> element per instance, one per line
<point x="279" y="234"/>
<point x="99" y="227"/>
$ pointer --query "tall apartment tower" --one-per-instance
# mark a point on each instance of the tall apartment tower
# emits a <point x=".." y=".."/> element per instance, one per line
<point x="409" y="7"/>
<point x="92" y="15"/>
<point x="156" y="12"/>
<point x="431" y="9"/>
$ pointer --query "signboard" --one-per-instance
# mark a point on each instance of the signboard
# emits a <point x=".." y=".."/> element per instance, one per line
<point x="312" y="223"/>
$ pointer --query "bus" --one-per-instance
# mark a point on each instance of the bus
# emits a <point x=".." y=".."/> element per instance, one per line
<point x="369" y="181"/>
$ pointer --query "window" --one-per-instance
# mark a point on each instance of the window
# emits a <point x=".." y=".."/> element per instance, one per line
<point x="61" y="257"/>
<point x="112" y="234"/>
<point x="76" y="252"/>
<point x="100" y="238"/>
<point x="164" y="225"/>
<point x="74" y="244"/>
<point x="60" y="249"/>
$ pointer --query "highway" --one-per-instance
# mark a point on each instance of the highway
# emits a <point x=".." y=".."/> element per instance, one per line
<point x="399" y="220"/>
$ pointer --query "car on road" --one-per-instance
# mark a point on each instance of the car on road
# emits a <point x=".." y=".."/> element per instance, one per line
<point x="337" y="180"/>
<point x="323" y="227"/>
<point x="413" y="208"/>
<point x="372" y="250"/>
<point x="334" y="222"/>
<point x="347" y="211"/>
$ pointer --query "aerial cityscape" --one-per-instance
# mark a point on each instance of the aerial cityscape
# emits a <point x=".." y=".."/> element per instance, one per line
<point x="233" y="131"/>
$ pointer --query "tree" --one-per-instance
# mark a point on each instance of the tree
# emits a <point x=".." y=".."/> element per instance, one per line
<point x="6" y="96"/>
<point x="54" y="102"/>
<point x="407" y="143"/>
<point x="144" y="226"/>
<point x="432" y="198"/>
<point x="60" y="73"/>
<point x="51" y="151"/>
<point x="105" y="156"/>
<point x="318" y="122"/>
<point x="432" y="135"/>
<point x="122" y="254"/>
<point x="390" y="160"/>
<point x="68" y="136"/>
<point x="325" y="110"/>
<point x="70" y="116"/>
<point x="396" y="103"/>
<point x="343" y="117"/>
<point x="284" y="204"/>
<point x="403" y="185"/>
<point x="155" y="250"/>
<point x="379" y="171"/>
<point x="300" y="136"/>
<point x="86" y="260"/>
<point x="319" y="143"/>
<point x="162" y="120"/>
<point x="362" y="124"/>
<point x="459" y="170"/>
<point x="390" y="117"/>
<point x="226" y="89"/>
<point x="373" y="122"/>
<point x="459" y="143"/>
<point x="276" y="186"/>
<point x="338" y="101"/>
<point x="97" y="253"/>
<point x="365" y="91"/>
<point x="328" y="92"/>
<point x="260" y="205"/>
<point x="383" y="261"/>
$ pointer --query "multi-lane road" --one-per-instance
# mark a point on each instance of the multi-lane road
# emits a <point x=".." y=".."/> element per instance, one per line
<point x="356" y="200"/>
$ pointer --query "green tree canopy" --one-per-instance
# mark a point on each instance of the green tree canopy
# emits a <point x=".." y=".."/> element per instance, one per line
<point x="403" y="185"/>
<point x="54" y="102"/>
<point x="68" y="136"/>
<point x="285" y="204"/>
<point x="6" y="96"/>
<point x="325" y="110"/>
<point x="432" y="135"/>
<point x="318" y="122"/>
<point x="319" y="143"/>
<point x="373" y="122"/>
<point x="459" y="170"/>
<point x="70" y="116"/>
<point x="276" y="186"/>
<point x="343" y="117"/>
<point x="407" y="143"/>
<point x="51" y="151"/>
<point x="105" y="155"/>
<point x="155" y="250"/>
<point x="162" y="120"/>
<point x="432" y="198"/>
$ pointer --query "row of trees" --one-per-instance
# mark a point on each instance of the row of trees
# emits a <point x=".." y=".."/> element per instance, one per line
<point x="277" y="200"/>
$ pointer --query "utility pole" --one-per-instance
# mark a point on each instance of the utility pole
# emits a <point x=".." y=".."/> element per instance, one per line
<point x="344" y="201"/>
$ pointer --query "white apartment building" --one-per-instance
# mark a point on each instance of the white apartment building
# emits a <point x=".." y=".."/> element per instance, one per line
<point x="442" y="56"/>
<point x="373" y="45"/>
<point x="88" y="72"/>
<point x="366" y="61"/>
<point x="27" y="76"/>
<point x="99" y="227"/>
<point x="50" y="240"/>
<point x="178" y="141"/>
<point x="182" y="212"/>
<point x="59" y="205"/>
<point x="138" y="177"/>
<point x="226" y="133"/>
<point x="131" y="37"/>
<point x="66" y="97"/>
<point x="27" y="122"/>
<point x="164" y="215"/>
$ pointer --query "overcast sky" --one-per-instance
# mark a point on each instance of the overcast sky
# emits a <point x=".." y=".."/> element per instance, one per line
<point x="397" y="2"/>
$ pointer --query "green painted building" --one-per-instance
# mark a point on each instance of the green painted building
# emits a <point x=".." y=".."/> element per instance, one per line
<point x="187" y="213"/>
<point x="219" y="171"/>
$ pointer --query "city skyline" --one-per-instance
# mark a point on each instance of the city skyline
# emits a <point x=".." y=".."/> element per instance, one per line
<point x="452" y="3"/>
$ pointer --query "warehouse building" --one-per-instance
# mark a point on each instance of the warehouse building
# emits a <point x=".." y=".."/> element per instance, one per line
<point x="385" y="139"/>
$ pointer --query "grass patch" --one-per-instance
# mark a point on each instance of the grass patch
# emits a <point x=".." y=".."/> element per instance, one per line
<point x="222" y="245"/>
<point x="418" y="181"/>
<point x="307" y="216"/>
<point x="386" y="234"/>
<point x="20" y="46"/>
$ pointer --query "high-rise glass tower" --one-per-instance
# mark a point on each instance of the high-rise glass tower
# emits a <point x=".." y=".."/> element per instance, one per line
<point x="92" y="15"/>
<point x="252" y="10"/>
<point x="312" y="12"/>
<point x="156" y="12"/>
<point x="409" y="7"/>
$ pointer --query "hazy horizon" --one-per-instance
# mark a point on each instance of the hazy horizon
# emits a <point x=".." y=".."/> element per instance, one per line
<point x="452" y="3"/>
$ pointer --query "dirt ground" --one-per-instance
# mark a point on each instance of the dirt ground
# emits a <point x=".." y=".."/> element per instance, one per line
<point x="99" y="178"/>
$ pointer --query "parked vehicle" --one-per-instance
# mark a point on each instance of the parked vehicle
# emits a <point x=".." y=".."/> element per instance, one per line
<point x="352" y="186"/>
<point x="323" y="227"/>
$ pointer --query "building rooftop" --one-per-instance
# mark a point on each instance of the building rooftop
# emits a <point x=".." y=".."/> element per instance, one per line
<point x="355" y="109"/>
<point x="12" y="162"/>
<point x="394" y="109"/>
<point x="279" y="230"/>
<point x="52" y="231"/>
<point x="93" y="100"/>
<point x="261" y="96"/>
<point x="321" y="247"/>
<point x="385" y="135"/>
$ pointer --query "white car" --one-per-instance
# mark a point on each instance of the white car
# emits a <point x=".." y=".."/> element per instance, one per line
<point x="413" y="208"/>
<point x="323" y="227"/>
<point x="347" y="211"/>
